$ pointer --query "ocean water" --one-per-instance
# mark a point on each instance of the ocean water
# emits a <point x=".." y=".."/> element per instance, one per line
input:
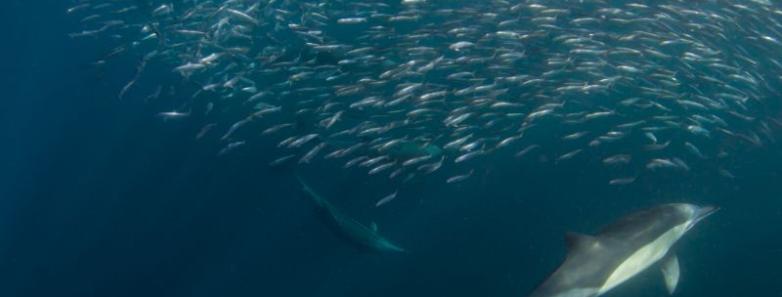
<point x="99" y="197"/>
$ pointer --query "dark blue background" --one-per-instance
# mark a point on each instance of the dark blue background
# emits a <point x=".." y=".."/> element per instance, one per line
<point x="100" y="198"/>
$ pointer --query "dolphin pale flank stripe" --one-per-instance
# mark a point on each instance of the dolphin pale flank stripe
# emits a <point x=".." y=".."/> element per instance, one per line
<point x="596" y="264"/>
<point x="348" y="228"/>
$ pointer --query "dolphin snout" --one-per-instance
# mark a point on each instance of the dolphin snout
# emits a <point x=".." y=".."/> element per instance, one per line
<point x="705" y="211"/>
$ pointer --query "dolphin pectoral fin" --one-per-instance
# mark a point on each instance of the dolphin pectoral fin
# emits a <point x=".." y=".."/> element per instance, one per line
<point x="373" y="226"/>
<point x="670" y="270"/>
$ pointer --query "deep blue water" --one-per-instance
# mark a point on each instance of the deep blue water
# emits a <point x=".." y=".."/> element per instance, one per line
<point x="100" y="198"/>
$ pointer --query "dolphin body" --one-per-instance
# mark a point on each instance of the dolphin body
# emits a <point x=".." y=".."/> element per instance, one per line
<point x="350" y="229"/>
<point x="596" y="264"/>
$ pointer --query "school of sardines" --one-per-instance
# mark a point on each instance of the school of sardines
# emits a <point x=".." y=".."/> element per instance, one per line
<point x="402" y="89"/>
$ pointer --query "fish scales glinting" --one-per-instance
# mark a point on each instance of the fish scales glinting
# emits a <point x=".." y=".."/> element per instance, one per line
<point x="402" y="89"/>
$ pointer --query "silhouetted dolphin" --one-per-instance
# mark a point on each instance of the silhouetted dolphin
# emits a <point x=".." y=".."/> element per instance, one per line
<point x="352" y="230"/>
<point x="597" y="264"/>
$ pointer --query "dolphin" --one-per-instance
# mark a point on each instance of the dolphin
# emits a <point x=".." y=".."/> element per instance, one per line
<point x="596" y="264"/>
<point x="364" y="236"/>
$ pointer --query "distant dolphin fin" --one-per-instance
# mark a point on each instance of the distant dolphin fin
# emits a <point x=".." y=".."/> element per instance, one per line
<point x="670" y="270"/>
<point x="576" y="241"/>
<point x="373" y="226"/>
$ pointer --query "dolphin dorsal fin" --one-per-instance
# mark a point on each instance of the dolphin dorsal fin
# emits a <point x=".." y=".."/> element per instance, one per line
<point x="575" y="240"/>
<point x="670" y="270"/>
<point x="373" y="226"/>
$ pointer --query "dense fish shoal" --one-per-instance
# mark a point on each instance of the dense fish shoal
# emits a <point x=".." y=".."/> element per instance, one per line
<point x="402" y="89"/>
